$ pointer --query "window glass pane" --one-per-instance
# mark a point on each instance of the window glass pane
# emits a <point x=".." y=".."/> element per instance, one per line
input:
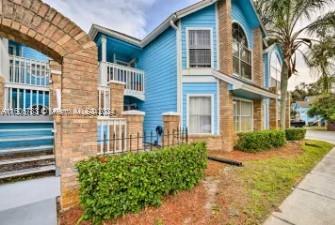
<point x="246" y="55"/>
<point x="245" y="70"/>
<point x="236" y="49"/>
<point x="200" y="115"/>
<point x="236" y="65"/>
<point x="199" y="48"/>
<point x="243" y="119"/>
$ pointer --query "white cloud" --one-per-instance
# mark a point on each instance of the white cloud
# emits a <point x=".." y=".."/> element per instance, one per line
<point x="127" y="16"/>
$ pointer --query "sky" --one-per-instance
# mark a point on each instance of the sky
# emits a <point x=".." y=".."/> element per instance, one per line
<point x="138" y="18"/>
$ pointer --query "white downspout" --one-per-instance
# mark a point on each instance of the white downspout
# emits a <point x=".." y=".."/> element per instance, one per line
<point x="179" y="73"/>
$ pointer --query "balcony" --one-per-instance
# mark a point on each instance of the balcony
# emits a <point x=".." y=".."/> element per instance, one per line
<point x="131" y="77"/>
<point x="27" y="86"/>
<point x="24" y="71"/>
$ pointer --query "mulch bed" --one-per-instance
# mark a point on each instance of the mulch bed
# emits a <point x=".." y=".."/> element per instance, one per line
<point x="216" y="200"/>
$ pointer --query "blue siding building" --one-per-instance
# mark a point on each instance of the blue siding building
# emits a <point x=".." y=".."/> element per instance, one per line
<point x="179" y="66"/>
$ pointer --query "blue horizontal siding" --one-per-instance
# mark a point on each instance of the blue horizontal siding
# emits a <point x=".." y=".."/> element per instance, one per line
<point x="201" y="88"/>
<point x="159" y="62"/>
<point x="205" y="18"/>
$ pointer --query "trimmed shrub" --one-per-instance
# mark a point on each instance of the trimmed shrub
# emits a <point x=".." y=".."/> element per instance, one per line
<point x="115" y="185"/>
<point x="294" y="134"/>
<point x="260" y="140"/>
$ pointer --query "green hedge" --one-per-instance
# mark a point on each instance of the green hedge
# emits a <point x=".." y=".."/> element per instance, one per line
<point x="293" y="134"/>
<point x="260" y="140"/>
<point x="115" y="185"/>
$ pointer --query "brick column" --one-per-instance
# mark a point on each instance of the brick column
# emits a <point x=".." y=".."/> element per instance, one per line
<point x="227" y="120"/>
<point x="258" y="115"/>
<point x="225" y="37"/>
<point x="2" y="93"/>
<point x="273" y="114"/>
<point x="171" y="123"/>
<point x="117" y="97"/>
<point x="258" y="57"/>
<point x="134" y="128"/>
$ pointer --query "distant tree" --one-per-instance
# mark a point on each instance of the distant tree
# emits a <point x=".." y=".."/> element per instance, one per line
<point x="324" y="107"/>
<point x="281" y="19"/>
<point x="302" y="90"/>
<point x="321" y="57"/>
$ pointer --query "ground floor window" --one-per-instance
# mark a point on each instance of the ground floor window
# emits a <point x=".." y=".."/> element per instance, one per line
<point x="200" y="114"/>
<point x="243" y="115"/>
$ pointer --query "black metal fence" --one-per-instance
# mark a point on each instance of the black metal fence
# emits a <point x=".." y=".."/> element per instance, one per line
<point x="147" y="141"/>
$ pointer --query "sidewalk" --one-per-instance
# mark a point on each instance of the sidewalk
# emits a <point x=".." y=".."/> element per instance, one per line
<point x="313" y="201"/>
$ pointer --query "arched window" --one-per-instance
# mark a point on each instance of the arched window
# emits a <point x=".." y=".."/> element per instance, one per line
<point x="241" y="53"/>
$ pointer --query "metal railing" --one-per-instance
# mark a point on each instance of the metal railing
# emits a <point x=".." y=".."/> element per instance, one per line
<point x="140" y="142"/>
<point x="28" y="71"/>
<point x="131" y="77"/>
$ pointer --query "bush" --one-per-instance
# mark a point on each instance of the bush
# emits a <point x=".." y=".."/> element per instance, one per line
<point x="293" y="134"/>
<point x="115" y="185"/>
<point x="260" y="140"/>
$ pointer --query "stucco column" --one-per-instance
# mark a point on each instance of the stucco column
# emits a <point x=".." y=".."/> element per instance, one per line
<point x="2" y="93"/>
<point x="171" y="124"/>
<point x="258" y="115"/>
<point x="225" y="37"/>
<point x="116" y="97"/>
<point x="227" y="119"/>
<point x="134" y="129"/>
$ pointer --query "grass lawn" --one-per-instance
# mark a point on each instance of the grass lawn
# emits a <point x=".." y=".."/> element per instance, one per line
<point x="231" y="195"/>
<point x="269" y="181"/>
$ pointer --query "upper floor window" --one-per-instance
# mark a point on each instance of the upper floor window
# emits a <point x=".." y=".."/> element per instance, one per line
<point x="199" y="47"/>
<point x="241" y="53"/>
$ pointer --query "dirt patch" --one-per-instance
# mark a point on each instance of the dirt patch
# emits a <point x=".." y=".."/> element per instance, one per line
<point x="289" y="150"/>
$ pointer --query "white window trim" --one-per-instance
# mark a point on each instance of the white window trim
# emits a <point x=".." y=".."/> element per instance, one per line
<point x="251" y="51"/>
<point x="187" y="45"/>
<point x="252" y="113"/>
<point x="188" y="96"/>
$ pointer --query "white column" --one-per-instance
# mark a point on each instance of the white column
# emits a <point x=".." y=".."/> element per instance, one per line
<point x="4" y="59"/>
<point x="103" y="48"/>
<point x="103" y="66"/>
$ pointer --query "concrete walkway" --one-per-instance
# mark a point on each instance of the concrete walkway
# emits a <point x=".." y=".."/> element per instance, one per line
<point x="313" y="201"/>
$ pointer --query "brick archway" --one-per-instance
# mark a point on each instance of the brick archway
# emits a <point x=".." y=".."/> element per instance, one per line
<point x="39" y="26"/>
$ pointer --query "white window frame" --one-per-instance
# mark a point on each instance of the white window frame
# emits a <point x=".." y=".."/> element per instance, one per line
<point x="252" y="114"/>
<point x="187" y="46"/>
<point x="188" y="96"/>
<point x="251" y="52"/>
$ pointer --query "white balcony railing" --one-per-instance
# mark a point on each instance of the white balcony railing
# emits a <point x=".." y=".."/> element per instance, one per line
<point x="131" y="77"/>
<point x="112" y="133"/>
<point x="28" y="71"/>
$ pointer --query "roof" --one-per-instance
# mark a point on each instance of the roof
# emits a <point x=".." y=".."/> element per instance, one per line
<point x="302" y="104"/>
<point x="243" y="85"/>
<point x="95" y="29"/>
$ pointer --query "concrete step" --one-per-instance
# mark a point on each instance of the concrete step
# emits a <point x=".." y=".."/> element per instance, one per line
<point x="8" y="151"/>
<point x="26" y="159"/>
<point x="25" y="172"/>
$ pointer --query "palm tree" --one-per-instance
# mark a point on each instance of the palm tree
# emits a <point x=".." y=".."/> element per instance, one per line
<point x="322" y="58"/>
<point x="281" y="19"/>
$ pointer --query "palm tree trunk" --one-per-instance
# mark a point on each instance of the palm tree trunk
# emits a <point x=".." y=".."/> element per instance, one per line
<point x="283" y="95"/>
